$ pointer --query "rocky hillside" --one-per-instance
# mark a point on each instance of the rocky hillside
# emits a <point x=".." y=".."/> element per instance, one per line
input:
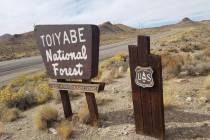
<point x="24" y="45"/>
<point x="109" y="28"/>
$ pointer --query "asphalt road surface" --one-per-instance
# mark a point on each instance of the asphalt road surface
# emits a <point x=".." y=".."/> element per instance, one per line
<point x="13" y="68"/>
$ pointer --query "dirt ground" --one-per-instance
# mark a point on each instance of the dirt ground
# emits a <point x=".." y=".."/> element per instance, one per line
<point x="188" y="119"/>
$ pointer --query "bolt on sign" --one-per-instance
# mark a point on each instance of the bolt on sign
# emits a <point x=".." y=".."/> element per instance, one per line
<point x="147" y="89"/>
<point x="71" y="52"/>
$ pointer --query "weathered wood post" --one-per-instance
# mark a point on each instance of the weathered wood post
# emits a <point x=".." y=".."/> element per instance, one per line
<point x="65" y="101"/>
<point x="147" y="89"/>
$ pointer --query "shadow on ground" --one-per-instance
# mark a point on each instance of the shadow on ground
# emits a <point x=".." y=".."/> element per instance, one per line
<point x="181" y="117"/>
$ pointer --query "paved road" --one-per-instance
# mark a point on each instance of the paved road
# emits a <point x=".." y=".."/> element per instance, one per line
<point x="13" y="68"/>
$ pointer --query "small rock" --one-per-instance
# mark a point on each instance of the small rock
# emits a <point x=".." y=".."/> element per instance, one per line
<point x="121" y="69"/>
<point x="124" y="133"/>
<point x="114" y="90"/>
<point x="204" y="99"/>
<point x="19" y="128"/>
<point x="53" y="131"/>
<point x="181" y="80"/>
<point x="188" y="99"/>
<point x="183" y="73"/>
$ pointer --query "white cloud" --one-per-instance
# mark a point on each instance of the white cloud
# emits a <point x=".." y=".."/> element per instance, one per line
<point x="20" y="15"/>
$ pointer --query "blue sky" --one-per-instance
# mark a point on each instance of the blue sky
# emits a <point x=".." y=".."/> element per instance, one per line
<point x="18" y="16"/>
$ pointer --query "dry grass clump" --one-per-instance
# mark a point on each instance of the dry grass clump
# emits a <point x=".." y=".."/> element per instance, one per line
<point x="44" y="93"/>
<point x="64" y="129"/>
<point x="9" y="96"/>
<point x="112" y="68"/>
<point x="169" y="96"/>
<point x="171" y="66"/>
<point x="206" y="83"/>
<point x="2" y="129"/>
<point x="9" y="114"/>
<point x="83" y="113"/>
<point x="44" y="117"/>
<point x="185" y="64"/>
<point x="207" y="51"/>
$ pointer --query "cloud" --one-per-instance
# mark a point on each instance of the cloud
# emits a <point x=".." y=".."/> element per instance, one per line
<point x="20" y="16"/>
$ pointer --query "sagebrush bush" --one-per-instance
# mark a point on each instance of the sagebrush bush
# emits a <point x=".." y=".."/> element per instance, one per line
<point x="207" y="82"/>
<point x="26" y="91"/>
<point x="2" y="129"/>
<point x="64" y="129"/>
<point x="207" y="51"/>
<point x="44" y="93"/>
<point x="169" y="97"/>
<point x="44" y="117"/>
<point x="171" y="66"/>
<point x="9" y="96"/>
<point x="83" y="113"/>
<point x="9" y="114"/>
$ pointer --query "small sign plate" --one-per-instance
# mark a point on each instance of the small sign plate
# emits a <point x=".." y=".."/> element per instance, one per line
<point x="78" y="87"/>
<point x="144" y="77"/>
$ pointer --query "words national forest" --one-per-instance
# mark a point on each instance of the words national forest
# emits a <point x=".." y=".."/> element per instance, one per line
<point x="96" y="70"/>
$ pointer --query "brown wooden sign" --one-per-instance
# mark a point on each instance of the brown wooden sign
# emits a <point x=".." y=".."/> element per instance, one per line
<point x="147" y="90"/>
<point x="69" y="51"/>
<point x="77" y="87"/>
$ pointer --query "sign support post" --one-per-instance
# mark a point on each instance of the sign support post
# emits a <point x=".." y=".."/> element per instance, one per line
<point x="147" y="99"/>
<point x="92" y="106"/>
<point x="65" y="101"/>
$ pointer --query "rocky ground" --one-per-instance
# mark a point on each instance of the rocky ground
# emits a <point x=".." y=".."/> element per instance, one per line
<point x="188" y="118"/>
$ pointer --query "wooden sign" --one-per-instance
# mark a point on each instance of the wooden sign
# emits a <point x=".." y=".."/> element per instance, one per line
<point x="77" y="87"/>
<point x="144" y="76"/>
<point x="69" y="51"/>
<point x="147" y="95"/>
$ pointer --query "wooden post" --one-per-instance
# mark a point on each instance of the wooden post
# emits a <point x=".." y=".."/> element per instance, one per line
<point x="92" y="106"/>
<point x="65" y="101"/>
<point x="147" y="101"/>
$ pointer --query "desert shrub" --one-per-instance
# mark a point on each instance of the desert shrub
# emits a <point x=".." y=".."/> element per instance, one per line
<point x="207" y="82"/>
<point x="207" y="51"/>
<point x="9" y="114"/>
<point x="171" y="66"/>
<point x="26" y="91"/>
<point x="169" y="96"/>
<point x="186" y="49"/>
<point x="64" y="129"/>
<point x="2" y="129"/>
<point x="19" y="81"/>
<point x="38" y="77"/>
<point x="44" y="93"/>
<point x="109" y="75"/>
<point x="9" y="96"/>
<point x="83" y="113"/>
<point x="112" y="68"/>
<point x="44" y="117"/>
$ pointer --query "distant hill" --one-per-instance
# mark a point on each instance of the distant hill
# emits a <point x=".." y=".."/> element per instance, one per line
<point x="109" y="28"/>
<point x="187" y="22"/>
<point x="5" y="37"/>
<point x="23" y="45"/>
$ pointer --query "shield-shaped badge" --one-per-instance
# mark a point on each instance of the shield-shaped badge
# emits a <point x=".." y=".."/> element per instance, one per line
<point x="144" y="77"/>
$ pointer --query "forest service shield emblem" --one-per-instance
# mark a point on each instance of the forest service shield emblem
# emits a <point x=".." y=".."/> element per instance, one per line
<point x="144" y="76"/>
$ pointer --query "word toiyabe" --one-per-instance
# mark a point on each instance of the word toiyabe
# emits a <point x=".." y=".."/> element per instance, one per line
<point x="69" y="51"/>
